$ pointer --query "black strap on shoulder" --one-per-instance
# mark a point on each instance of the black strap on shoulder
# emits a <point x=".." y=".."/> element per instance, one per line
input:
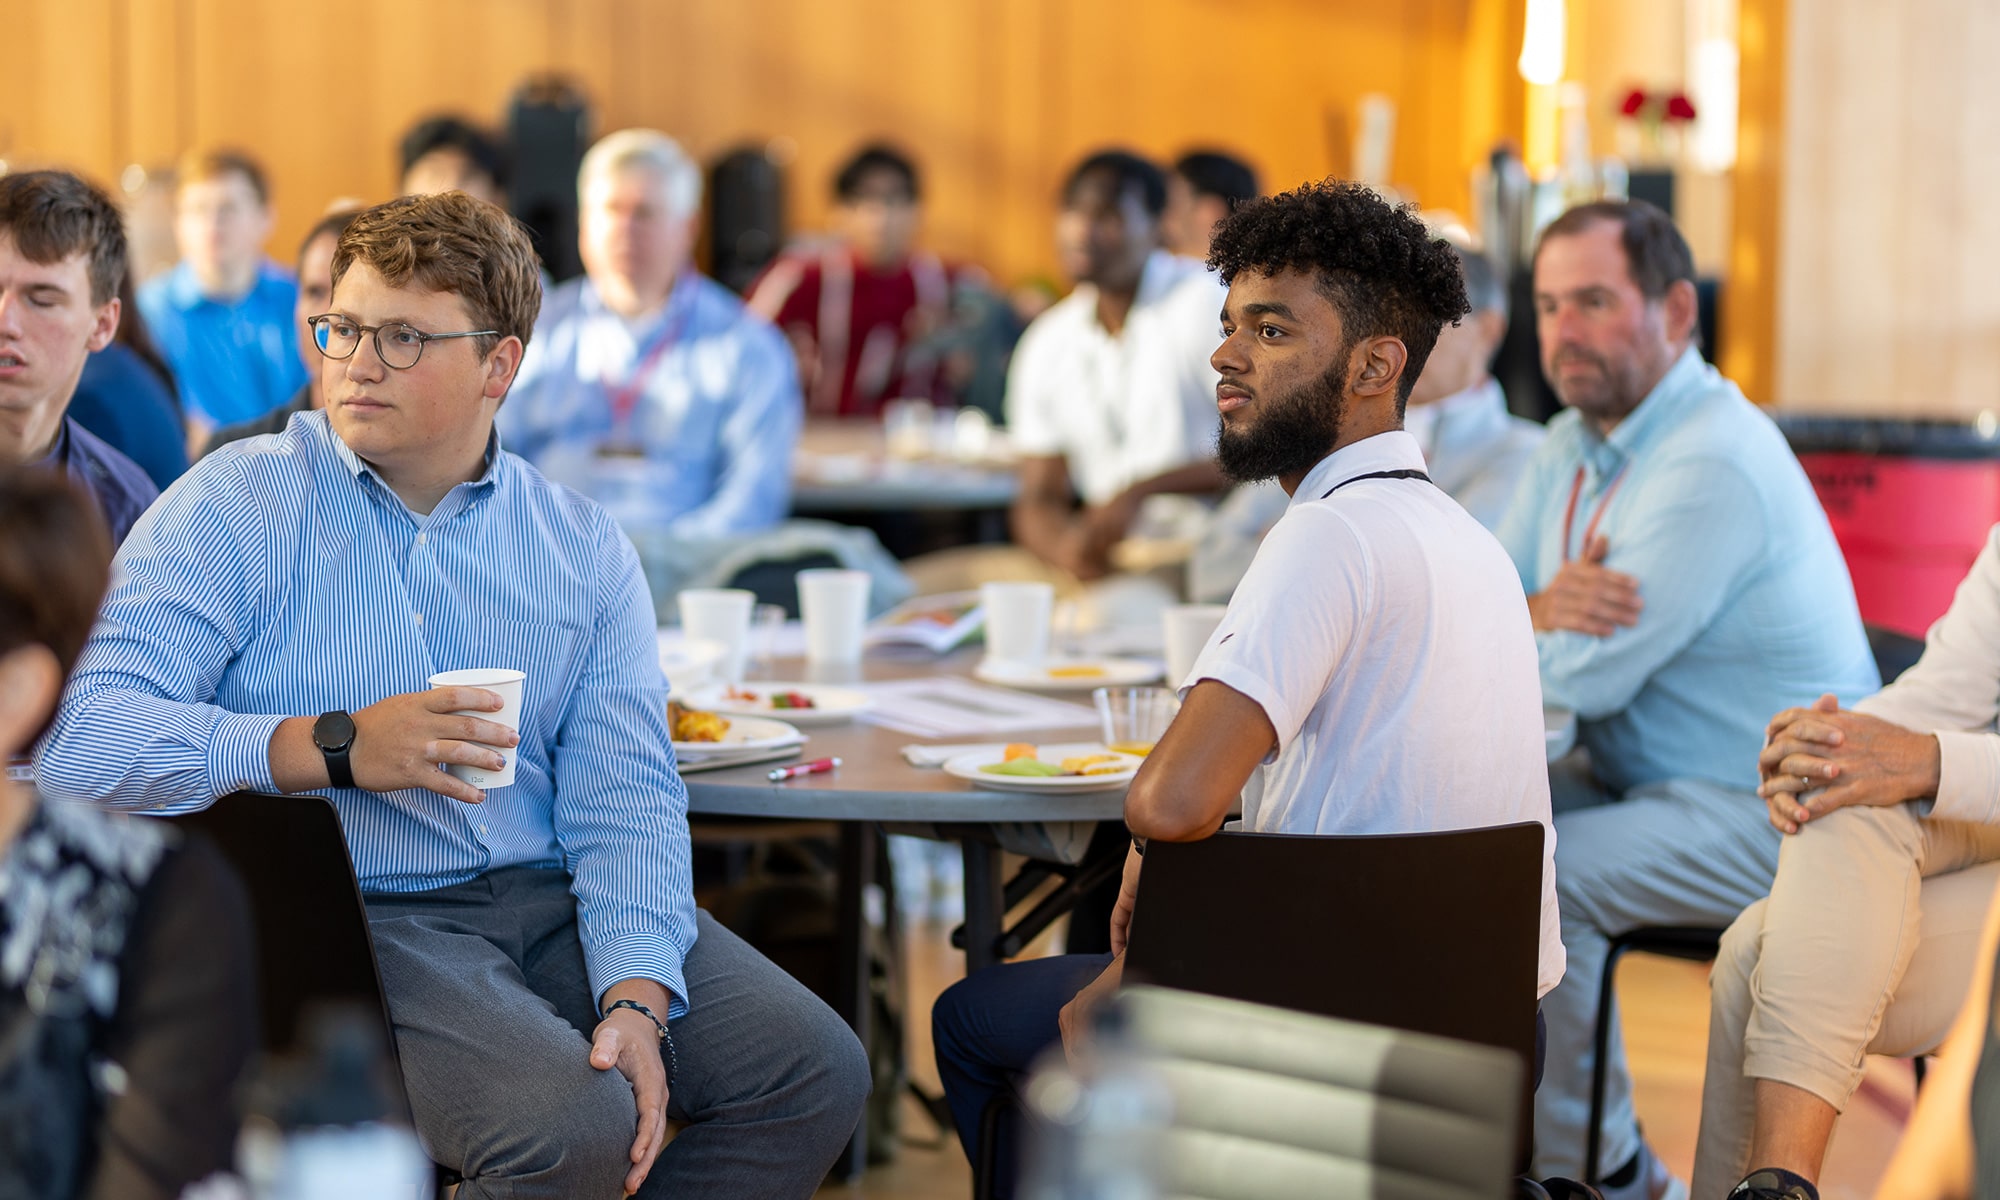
<point x="1405" y="474"/>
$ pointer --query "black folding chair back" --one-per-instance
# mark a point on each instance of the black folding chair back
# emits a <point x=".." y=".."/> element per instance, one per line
<point x="313" y="946"/>
<point x="1437" y="933"/>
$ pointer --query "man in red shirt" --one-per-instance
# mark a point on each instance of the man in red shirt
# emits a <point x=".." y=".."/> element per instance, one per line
<point x="863" y="310"/>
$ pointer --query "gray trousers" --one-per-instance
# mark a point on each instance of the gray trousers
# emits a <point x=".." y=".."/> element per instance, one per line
<point x="1682" y="852"/>
<point x="493" y="1015"/>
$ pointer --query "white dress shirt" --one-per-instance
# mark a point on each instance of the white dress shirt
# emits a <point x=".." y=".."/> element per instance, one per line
<point x="1121" y="408"/>
<point x="1385" y="634"/>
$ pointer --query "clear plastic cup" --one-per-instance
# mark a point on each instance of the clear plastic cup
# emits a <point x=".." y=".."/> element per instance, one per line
<point x="1133" y="718"/>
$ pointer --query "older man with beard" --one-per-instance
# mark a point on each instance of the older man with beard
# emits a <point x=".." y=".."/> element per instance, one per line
<point x="1375" y="672"/>
<point x="1684" y="585"/>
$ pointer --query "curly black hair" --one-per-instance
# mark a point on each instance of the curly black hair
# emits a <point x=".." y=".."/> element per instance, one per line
<point x="1382" y="271"/>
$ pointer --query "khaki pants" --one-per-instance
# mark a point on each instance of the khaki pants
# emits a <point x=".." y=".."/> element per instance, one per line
<point x="1865" y="946"/>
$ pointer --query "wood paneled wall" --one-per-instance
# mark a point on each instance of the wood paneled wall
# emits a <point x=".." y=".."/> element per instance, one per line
<point x="996" y="97"/>
<point x="1868" y="227"/>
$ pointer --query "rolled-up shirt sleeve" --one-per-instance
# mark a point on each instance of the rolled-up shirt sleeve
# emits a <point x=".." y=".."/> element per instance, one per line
<point x="1953" y="691"/>
<point x="621" y="810"/>
<point x="1292" y="618"/>
<point x="137" y="727"/>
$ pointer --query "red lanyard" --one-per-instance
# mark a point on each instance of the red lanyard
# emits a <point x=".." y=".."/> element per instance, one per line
<point x="624" y="397"/>
<point x="1569" y="516"/>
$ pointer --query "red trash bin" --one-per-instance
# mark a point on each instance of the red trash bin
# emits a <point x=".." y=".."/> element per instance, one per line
<point x="1910" y="502"/>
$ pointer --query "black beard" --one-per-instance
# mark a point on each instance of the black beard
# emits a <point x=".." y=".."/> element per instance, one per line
<point x="1292" y="431"/>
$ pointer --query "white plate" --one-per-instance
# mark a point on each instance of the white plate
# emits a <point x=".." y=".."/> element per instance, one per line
<point x="1078" y="674"/>
<point x="966" y="766"/>
<point x="831" y="705"/>
<point x="746" y="734"/>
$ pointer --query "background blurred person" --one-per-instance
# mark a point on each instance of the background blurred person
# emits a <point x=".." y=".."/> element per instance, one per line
<point x="1684" y="585"/>
<point x="223" y="317"/>
<point x="447" y="152"/>
<point x="1111" y="397"/>
<point x="1204" y="187"/>
<point x="315" y="267"/>
<point x="865" y="311"/>
<point x="127" y="1008"/>
<point x="649" y="387"/>
<point x="127" y="396"/>
<point x="62" y="255"/>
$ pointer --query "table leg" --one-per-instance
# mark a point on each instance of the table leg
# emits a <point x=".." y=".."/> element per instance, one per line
<point x="985" y="908"/>
<point x="857" y="870"/>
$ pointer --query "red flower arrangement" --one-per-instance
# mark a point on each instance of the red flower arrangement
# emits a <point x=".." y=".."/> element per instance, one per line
<point x="1656" y="108"/>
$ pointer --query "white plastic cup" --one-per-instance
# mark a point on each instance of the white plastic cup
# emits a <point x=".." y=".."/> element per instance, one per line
<point x="834" y="606"/>
<point x="721" y="615"/>
<point x="1188" y="628"/>
<point x="507" y="684"/>
<point x="1017" y="621"/>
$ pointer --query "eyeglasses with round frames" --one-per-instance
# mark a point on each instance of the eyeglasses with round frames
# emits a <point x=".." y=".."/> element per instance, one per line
<point x="398" y="345"/>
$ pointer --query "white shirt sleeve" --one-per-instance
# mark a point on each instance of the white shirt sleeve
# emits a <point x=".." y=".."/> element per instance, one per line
<point x="1954" y="692"/>
<point x="1032" y="424"/>
<point x="1292" y="618"/>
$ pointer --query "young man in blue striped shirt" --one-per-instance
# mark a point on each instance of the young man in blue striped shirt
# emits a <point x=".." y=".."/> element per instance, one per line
<point x="556" y="996"/>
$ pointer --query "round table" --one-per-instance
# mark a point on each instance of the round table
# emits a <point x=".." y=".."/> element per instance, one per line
<point x="874" y="786"/>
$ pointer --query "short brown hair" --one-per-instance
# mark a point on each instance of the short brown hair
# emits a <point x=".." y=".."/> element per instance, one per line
<point x="55" y="560"/>
<point x="199" y="166"/>
<point x="1656" y="255"/>
<point x="51" y="215"/>
<point x="450" y="242"/>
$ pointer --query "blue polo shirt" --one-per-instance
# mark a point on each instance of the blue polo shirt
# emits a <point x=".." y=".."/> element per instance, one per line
<point x="235" y="361"/>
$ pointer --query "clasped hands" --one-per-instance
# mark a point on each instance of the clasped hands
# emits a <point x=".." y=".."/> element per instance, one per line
<point x="1824" y="757"/>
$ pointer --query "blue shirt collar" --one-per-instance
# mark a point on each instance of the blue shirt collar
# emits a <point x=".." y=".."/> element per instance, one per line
<point x="489" y="477"/>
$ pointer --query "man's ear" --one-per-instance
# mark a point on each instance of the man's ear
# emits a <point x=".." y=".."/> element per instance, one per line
<point x="501" y="366"/>
<point x="1377" y="367"/>
<point x="1681" y="308"/>
<point x="105" y="327"/>
<point x="30" y="681"/>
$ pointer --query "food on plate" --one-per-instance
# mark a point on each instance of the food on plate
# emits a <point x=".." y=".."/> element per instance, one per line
<point x="1078" y="671"/>
<point x="775" y="700"/>
<point x="693" y="725"/>
<point x="1020" y="759"/>
<point x="1024" y="766"/>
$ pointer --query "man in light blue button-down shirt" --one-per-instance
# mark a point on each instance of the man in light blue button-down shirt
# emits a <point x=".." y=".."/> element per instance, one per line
<point x="556" y="996"/>
<point x="1684" y="585"/>
<point x="650" y="388"/>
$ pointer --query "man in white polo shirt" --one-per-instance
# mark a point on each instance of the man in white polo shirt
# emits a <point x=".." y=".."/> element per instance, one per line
<point x="1376" y="671"/>
<point x="1108" y="398"/>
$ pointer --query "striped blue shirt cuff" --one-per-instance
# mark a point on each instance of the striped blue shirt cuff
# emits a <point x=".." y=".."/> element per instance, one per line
<point x="239" y="753"/>
<point x="638" y="956"/>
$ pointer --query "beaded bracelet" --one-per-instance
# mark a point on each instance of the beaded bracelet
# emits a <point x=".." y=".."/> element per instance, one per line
<point x="666" y="1041"/>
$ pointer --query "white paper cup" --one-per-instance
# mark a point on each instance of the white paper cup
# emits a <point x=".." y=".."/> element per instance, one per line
<point x="1017" y="621"/>
<point x="1188" y="628"/>
<point x="507" y="683"/>
<point x="720" y="615"/>
<point x="834" y="606"/>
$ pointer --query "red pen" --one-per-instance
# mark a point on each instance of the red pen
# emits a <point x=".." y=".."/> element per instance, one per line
<point x="815" y="767"/>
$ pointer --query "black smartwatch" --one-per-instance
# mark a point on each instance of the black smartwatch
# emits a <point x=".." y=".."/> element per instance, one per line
<point x="333" y="733"/>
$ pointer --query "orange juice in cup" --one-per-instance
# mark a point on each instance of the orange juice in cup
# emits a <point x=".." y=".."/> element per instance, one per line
<point x="1133" y="718"/>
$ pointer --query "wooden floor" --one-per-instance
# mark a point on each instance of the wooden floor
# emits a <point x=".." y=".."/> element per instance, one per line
<point x="1665" y="1003"/>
